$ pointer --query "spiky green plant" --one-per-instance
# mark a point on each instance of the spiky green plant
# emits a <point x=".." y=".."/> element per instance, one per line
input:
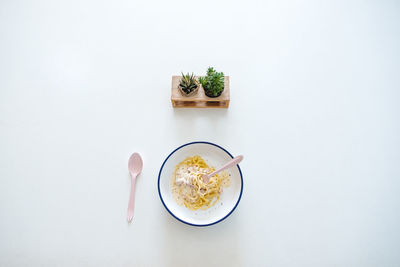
<point x="188" y="83"/>
<point x="213" y="83"/>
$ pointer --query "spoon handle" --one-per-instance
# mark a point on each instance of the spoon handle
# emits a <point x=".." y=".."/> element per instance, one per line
<point x="231" y="163"/>
<point x="131" y="203"/>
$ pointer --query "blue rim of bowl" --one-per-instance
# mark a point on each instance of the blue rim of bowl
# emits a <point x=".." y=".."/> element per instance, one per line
<point x="162" y="200"/>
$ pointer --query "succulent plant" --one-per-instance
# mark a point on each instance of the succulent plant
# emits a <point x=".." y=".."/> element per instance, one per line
<point x="188" y="83"/>
<point x="213" y="83"/>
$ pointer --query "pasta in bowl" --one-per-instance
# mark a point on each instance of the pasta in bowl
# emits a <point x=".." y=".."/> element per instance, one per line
<point x="190" y="199"/>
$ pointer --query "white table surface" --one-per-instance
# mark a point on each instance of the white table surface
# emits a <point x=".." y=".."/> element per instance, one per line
<point x="314" y="108"/>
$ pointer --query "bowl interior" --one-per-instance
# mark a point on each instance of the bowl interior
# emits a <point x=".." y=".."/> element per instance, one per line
<point x="214" y="156"/>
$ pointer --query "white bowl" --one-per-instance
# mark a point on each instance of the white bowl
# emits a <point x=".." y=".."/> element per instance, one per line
<point x="215" y="156"/>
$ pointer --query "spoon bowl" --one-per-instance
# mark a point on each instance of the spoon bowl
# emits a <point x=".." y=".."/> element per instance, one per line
<point x="135" y="164"/>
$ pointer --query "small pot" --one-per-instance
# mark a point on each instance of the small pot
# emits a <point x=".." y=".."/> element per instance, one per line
<point x="191" y="93"/>
<point x="212" y="96"/>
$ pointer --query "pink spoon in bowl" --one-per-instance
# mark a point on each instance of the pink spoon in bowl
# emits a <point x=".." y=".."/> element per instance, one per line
<point x="229" y="164"/>
<point x="135" y="166"/>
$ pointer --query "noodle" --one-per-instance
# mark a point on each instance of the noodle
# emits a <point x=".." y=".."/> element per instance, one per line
<point x="190" y="190"/>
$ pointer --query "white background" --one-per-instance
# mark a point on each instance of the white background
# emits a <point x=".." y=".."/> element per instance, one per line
<point x="314" y="109"/>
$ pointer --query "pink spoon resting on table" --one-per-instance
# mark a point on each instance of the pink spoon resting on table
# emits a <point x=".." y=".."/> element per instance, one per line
<point x="135" y="166"/>
<point x="229" y="164"/>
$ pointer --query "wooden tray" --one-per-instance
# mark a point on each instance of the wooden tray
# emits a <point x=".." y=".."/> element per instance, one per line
<point x="198" y="100"/>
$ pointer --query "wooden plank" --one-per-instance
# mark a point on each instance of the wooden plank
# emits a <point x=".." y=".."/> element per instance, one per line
<point x="199" y="100"/>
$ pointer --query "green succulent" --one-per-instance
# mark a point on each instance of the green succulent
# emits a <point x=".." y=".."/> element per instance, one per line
<point x="188" y="83"/>
<point x="213" y="83"/>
